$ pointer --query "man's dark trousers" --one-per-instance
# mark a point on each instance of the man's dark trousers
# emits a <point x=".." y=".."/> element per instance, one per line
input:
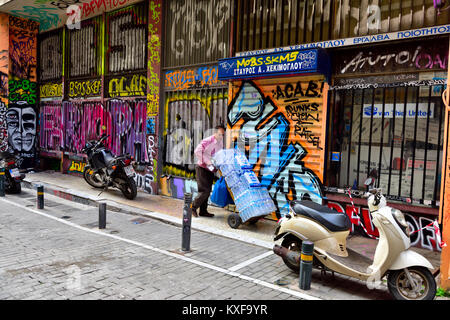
<point x="205" y="180"/>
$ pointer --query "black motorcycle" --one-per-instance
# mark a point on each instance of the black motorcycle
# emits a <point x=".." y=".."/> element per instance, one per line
<point x="105" y="170"/>
<point x="13" y="176"/>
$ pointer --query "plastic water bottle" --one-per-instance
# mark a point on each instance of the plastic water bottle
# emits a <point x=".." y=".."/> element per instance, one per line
<point x="251" y="179"/>
<point x="242" y="161"/>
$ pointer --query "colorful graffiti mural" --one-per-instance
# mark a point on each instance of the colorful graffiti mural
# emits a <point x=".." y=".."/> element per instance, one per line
<point x="4" y="70"/>
<point x="21" y="115"/>
<point x="153" y="88"/>
<point x="70" y="126"/>
<point x="280" y="125"/>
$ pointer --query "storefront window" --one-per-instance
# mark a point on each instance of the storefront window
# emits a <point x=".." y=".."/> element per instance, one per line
<point x="394" y="134"/>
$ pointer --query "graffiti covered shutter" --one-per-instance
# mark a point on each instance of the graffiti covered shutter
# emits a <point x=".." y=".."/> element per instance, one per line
<point x="280" y="124"/>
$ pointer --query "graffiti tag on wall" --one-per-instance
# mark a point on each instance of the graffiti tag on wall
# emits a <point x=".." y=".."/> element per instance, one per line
<point x="192" y="78"/>
<point x="127" y="86"/>
<point x="84" y="88"/>
<point x="127" y="39"/>
<point x="3" y="128"/>
<point x="22" y="90"/>
<point x="427" y="55"/>
<point x="51" y="90"/>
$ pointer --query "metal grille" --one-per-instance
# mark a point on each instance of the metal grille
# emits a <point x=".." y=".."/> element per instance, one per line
<point x="127" y="39"/>
<point x="276" y="23"/>
<point x="197" y="31"/>
<point x="358" y="18"/>
<point x="85" y="49"/>
<point x="396" y="131"/>
<point x="190" y="116"/>
<point x="265" y="24"/>
<point x="51" y="55"/>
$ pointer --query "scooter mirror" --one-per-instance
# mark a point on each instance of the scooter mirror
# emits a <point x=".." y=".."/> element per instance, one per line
<point x="369" y="181"/>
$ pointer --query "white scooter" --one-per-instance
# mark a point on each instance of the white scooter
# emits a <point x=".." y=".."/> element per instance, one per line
<point x="408" y="273"/>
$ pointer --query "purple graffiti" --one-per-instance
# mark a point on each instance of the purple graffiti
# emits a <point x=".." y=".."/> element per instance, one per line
<point x="70" y="126"/>
<point x="128" y="131"/>
<point x="51" y="137"/>
<point x="74" y="138"/>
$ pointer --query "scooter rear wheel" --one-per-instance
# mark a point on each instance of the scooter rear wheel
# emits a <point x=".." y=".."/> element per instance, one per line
<point x="401" y="289"/>
<point x="294" y="244"/>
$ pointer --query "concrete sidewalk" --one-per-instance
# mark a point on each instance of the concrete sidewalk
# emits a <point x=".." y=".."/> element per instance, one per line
<point x="170" y="210"/>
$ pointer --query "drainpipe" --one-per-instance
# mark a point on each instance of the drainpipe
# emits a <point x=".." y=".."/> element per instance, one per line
<point x="444" y="209"/>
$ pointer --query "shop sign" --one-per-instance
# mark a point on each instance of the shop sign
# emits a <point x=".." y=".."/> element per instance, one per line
<point x="370" y="39"/>
<point x="271" y="65"/>
<point x="376" y="111"/>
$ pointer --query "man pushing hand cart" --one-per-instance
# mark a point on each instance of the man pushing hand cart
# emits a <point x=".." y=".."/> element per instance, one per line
<point x="252" y="200"/>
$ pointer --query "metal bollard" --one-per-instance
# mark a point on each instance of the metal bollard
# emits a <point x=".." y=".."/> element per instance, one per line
<point x="40" y="196"/>
<point x="2" y="182"/>
<point x="306" y="261"/>
<point x="102" y="216"/>
<point x="187" y="218"/>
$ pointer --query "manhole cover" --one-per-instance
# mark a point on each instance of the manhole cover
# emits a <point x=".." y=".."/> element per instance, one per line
<point x="139" y="220"/>
<point x="66" y="217"/>
<point x="113" y="232"/>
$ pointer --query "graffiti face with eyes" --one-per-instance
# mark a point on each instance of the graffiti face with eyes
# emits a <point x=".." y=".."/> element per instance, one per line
<point x="21" y="121"/>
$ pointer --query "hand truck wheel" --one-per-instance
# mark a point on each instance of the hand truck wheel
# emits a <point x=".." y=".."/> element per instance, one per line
<point x="234" y="220"/>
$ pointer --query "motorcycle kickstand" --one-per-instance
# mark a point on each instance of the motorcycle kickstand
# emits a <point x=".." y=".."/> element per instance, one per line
<point x="323" y="274"/>
<point x="104" y="189"/>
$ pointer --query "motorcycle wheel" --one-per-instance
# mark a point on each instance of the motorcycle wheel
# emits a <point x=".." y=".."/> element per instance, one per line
<point x="294" y="244"/>
<point x="400" y="288"/>
<point x="129" y="188"/>
<point x="90" y="178"/>
<point x="13" y="187"/>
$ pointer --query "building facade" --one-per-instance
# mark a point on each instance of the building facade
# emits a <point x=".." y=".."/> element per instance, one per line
<point x="147" y="73"/>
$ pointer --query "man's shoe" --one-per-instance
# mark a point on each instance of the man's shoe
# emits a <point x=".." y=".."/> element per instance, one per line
<point x="206" y="214"/>
<point x="194" y="211"/>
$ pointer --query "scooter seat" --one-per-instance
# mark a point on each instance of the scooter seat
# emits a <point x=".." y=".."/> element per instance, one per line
<point x="330" y="219"/>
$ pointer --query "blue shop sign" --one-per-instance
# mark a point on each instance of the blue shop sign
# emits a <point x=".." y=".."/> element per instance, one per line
<point x="275" y="64"/>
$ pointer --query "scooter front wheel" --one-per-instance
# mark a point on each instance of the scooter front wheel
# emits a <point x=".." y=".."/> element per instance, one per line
<point x="401" y="288"/>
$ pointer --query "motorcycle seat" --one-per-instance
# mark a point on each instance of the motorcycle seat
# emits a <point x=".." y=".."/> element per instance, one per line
<point x="330" y="219"/>
<point x="109" y="158"/>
